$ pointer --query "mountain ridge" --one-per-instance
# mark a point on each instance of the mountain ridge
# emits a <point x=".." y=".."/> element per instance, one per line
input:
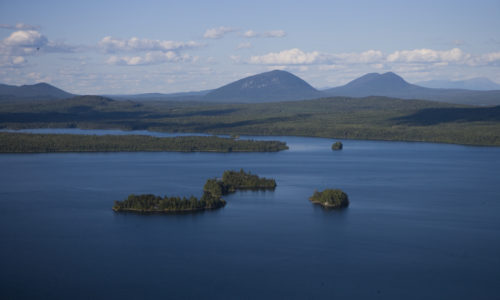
<point x="392" y="85"/>
<point x="41" y="90"/>
<point x="278" y="86"/>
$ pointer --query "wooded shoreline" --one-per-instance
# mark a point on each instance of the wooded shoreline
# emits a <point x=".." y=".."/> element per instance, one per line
<point x="49" y="143"/>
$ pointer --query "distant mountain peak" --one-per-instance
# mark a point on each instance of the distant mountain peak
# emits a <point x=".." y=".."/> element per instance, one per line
<point x="379" y="82"/>
<point x="275" y="85"/>
<point x="392" y="85"/>
<point x="39" y="84"/>
<point x="41" y="90"/>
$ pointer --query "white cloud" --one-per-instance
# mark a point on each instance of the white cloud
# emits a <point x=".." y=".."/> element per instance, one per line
<point x="487" y="58"/>
<point x="25" y="40"/>
<point x="298" y="57"/>
<point x="267" y="34"/>
<point x="113" y="45"/>
<point x="244" y="45"/>
<point x="218" y="32"/>
<point x="18" y="60"/>
<point x="22" y="43"/>
<point x="150" y="58"/>
<point x="369" y="56"/>
<point x="377" y="59"/>
<point x="250" y="34"/>
<point x="427" y="56"/>
<point x="287" y="57"/>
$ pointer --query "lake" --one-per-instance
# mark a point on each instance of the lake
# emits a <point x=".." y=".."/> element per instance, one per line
<point x="423" y="223"/>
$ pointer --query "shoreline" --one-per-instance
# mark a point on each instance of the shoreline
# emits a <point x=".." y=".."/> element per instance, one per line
<point x="242" y="136"/>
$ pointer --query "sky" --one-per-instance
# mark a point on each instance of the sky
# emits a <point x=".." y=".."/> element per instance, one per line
<point x="126" y="47"/>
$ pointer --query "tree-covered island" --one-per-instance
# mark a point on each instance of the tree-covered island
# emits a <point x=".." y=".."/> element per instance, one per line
<point x="149" y="203"/>
<point x="213" y="190"/>
<point x="330" y="198"/>
<point x="337" y="146"/>
<point x="241" y="180"/>
<point x="42" y="143"/>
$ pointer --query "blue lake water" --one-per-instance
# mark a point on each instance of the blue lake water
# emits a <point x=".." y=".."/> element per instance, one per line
<point x="424" y="223"/>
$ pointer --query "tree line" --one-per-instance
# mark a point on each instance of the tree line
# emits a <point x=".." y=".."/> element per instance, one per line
<point x="213" y="190"/>
<point x="330" y="198"/>
<point x="37" y="143"/>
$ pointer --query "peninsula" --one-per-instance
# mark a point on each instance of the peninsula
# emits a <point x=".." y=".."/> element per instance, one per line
<point x="12" y="142"/>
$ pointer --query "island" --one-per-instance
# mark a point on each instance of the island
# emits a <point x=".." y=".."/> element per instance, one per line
<point x="13" y="142"/>
<point x="241" y="180"/>
<point x="330" y="198"/>
<point x="213" y="190"/>
<point x="337" y="146"/>
<point x="149" y="203"/>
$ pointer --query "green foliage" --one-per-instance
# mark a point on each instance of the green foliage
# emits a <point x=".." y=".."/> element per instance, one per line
<point x="213" y="190"/>
<point x="371" y="118"/>
<point x="24" y="142"/>
<point x="337" y="146"/>
<point x="233" y="180"/>
<point x="330" y="198"/>
<point x="152" y="203"/>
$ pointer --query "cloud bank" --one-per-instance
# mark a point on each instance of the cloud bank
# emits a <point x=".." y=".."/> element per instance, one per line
<point x="15" y="48"/>
<point x="296" y="56"/>
<point x="218" y="32"/>
<point x="114" y="45"/>
<point x="150" y="58"/>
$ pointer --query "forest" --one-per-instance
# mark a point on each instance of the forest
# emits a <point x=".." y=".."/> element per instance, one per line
<point x="41" y="143"/>
<point x="330" y="198"/>
<point x="151" y="203"/>
<point x="234" y="180"/>
<point x="337" y="146"/>
<point x="370" y="118"/>
<point x="213" y="190"/>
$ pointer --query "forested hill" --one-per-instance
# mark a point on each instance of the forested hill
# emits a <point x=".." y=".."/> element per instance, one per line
<point x="393" y="85"/>
<point x="270" y="86"/>
<point x="32" y="92"/>
<point x="374" y="118"/>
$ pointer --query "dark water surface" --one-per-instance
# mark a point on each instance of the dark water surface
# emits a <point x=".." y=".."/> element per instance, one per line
<point x="424" y="223"/>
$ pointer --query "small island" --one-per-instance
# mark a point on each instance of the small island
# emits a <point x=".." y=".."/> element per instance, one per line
<point x="330" y="198"/>
<point x="213" y="190"/>
<point x="233" y="180"/>
<point x="337" y="146"/>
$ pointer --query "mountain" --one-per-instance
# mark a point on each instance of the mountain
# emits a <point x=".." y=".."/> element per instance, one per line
<point x="270" y="86"/>
<point x="392" y="85"/>
<point x="478" y="83"/>
<point x="386" y="84"/>
<point x="35" y="91"/>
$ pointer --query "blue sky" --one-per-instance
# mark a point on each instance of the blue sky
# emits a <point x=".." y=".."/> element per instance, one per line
<point x="96" y="47"/>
